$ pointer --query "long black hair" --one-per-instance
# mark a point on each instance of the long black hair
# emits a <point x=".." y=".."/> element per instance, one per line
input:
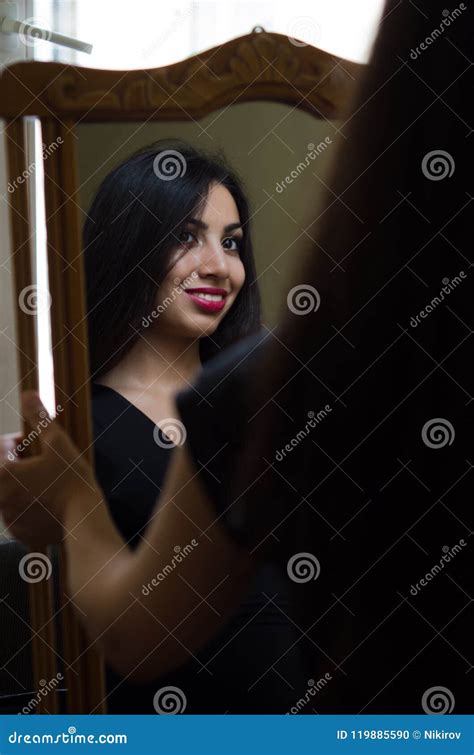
<point x="382" y="488"/>
<point x="133" y="225"/>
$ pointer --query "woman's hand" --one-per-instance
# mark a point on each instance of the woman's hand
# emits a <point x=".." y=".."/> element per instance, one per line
<point x="34" y="491"/>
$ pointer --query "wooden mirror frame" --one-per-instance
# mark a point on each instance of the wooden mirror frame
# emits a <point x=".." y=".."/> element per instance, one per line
<point x="260" y="66"/>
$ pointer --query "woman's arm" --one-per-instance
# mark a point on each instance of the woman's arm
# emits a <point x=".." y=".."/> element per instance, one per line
<point x="152" y="608"/>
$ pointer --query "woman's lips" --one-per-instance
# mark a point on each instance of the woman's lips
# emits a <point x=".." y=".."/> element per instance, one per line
<point x="207" y="304"/>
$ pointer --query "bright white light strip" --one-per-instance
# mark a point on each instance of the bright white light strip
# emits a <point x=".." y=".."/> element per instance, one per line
<point x="43" y="325"/>
<point x="157" y="34"/>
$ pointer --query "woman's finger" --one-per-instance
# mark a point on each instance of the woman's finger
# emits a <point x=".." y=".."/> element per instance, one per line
<point x="38" y="418"/>
<point x="34" y="411"/>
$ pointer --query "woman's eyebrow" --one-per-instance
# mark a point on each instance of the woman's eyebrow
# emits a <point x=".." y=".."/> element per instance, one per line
<point x="200" y="224"/>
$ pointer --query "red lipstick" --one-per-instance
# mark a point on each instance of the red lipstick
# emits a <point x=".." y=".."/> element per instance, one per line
<point x="208" y="305"/>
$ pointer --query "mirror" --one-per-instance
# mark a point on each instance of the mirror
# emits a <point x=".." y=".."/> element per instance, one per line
<point x="274" y="109"/>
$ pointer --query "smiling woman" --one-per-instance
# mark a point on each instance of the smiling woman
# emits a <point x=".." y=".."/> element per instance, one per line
<point x="170" y="281"/>
<point x="161" y="221"/>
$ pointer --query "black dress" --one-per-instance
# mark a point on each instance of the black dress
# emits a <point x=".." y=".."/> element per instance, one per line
<point x="254" y="664"/>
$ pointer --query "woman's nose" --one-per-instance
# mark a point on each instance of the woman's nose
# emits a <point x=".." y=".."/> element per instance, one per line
<point x="213" y="261"/>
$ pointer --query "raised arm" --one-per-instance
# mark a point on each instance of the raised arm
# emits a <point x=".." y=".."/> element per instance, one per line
<point x="149" y="609"/>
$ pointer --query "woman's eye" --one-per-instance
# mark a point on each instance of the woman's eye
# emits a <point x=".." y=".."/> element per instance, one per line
<point x="186" y="237"/>
<point x="235" y="243"/>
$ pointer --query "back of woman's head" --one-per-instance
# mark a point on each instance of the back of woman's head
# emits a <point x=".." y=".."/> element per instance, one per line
<point x="382" y="338"/>
<point x="133" y="226"/>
